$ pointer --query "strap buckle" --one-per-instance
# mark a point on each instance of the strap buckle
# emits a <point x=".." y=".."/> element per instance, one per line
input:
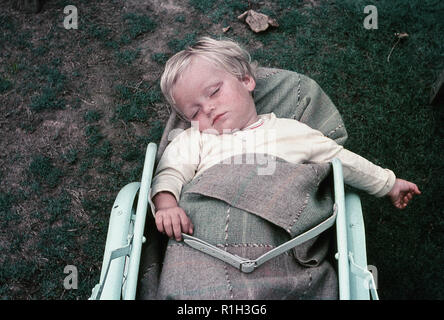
<point x="248" y="266"/>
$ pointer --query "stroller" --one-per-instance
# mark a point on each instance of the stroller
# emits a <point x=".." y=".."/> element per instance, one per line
<point x="289" y="95"/>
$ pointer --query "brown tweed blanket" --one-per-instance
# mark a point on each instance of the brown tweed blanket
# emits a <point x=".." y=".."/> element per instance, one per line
<point x="247" y="214"/>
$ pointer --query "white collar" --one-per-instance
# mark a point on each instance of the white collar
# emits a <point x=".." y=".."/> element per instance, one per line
<point x="254" y="125"/>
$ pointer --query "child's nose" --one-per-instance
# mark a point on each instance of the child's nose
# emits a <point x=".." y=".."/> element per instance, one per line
<point x="208" y="108"/>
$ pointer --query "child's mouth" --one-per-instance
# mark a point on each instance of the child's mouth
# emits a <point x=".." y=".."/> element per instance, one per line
<point x="218" y="117"/>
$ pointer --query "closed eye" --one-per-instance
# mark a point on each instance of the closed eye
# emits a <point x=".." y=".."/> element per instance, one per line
<point x="214" y="92"/>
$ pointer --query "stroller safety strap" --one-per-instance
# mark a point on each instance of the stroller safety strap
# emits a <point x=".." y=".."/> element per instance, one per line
<point x="364" y="274"/>
<point x="247" y="265"/>
<point x="117" y="253"/>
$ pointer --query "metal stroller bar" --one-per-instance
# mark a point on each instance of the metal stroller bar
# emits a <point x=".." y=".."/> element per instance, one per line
<point x="139" y="224"/>
<point x="342" y="255"/>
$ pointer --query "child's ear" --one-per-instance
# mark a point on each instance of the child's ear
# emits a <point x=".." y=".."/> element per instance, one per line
<point x="249" y="82"/>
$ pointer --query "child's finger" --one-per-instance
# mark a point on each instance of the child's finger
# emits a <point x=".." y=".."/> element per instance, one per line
<point x="186" y="224"/>
<point x="159" y="223"/>
<point x="414" y="188"/>
<point x="406" y="200"/>
<point x="168" y="227"/>
<point x="176" y="226"/>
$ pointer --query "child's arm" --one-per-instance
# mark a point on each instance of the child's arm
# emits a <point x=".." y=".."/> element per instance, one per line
<point x="361" y="173"/>
<point x="170" y="218"/>
<point x="176" y="167"/>
<point x="402" y="192"/>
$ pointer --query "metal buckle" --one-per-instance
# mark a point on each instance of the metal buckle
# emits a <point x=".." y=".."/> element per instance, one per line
<point x="248" y="266"/>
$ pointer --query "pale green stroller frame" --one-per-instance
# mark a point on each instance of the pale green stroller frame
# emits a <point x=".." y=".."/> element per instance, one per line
<point x="121" y="262"/>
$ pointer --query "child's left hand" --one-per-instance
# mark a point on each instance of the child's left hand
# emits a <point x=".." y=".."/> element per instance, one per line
<point x="402" y="192"/>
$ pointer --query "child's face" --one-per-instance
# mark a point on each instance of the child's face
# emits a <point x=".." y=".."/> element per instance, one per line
<point x="215" y="98"/>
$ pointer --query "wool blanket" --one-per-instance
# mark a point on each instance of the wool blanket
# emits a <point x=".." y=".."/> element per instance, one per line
<point x="237" y="209"/>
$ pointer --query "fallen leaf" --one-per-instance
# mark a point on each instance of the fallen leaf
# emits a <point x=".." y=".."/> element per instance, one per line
<point x="401" y="35"/>
<point x="258" y="21"/>
<point x="242" y="16"/>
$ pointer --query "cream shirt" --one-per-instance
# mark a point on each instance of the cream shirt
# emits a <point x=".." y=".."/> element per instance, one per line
<point x="192" y="152"/>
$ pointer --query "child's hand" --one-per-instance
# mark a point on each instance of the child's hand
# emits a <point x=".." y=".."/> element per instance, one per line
<point x="402" y="192"/>
<point x="173" y="221"/>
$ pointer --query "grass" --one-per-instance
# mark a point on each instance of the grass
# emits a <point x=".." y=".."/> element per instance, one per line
<point x="7" y="214"/>
<point x="5" y="85"/>
<point x="51" y="85"/>
<point x="139" y="24"/>
<point x="44" y="172"/>
<point x="57" y="212"/>
<point x="133" y="101"/>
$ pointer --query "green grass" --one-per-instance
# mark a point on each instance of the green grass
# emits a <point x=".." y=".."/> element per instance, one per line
<point x="160" y="58"/>
<point x="50" y="84"/>
<point x="42" y="170"/>
<point x="58" y="207"/>
<point x="133" y="101"/>
<point x="139" y="24"/>
<point x="92" y="116"/>
<point x="7" y="214"/>
<point x="5" y="85"/>
<point x="220" y="11"/>
<point x="181" y="43"/>
<point x="126" y="57"/>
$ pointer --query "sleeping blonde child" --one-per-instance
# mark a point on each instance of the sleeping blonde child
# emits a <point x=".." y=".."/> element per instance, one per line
<point x="210" y="84"/>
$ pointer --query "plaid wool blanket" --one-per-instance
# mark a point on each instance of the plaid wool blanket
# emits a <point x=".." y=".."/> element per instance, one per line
<point x="247" y="214"/>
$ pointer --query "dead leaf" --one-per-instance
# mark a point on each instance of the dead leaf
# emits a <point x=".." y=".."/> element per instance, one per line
<point x="401" y="35"/>
<point x="258" y="21"/>
<point x="242" y="16"/>
<point x="226" y="29"/>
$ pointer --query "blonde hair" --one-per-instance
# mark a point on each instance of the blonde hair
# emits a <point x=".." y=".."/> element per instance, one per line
<point x="225" y="54"/>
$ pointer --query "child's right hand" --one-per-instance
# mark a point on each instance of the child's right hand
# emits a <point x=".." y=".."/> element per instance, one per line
<point x="173" y="221"/>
